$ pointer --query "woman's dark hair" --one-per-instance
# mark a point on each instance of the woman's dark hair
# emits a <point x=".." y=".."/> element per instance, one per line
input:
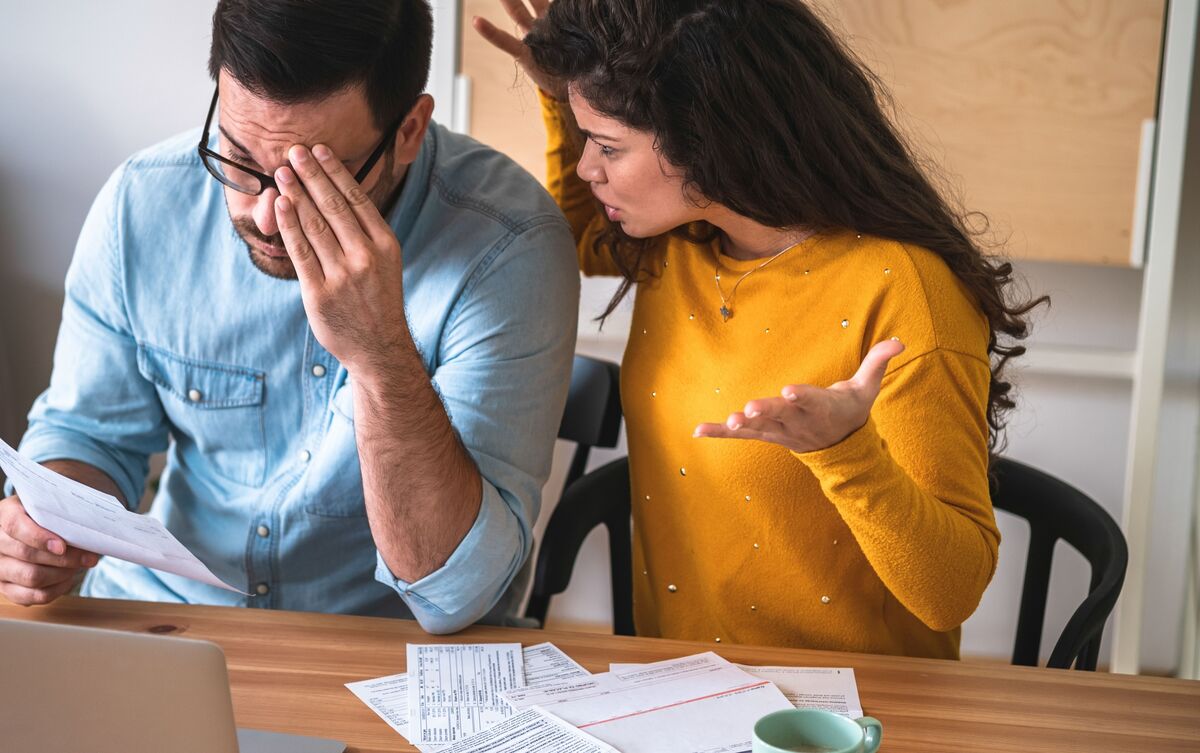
<point x="768" y="114"/>
<point x="299" y="50"/>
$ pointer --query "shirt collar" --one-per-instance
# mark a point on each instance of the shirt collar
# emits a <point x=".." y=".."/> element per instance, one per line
<point x="416" y="186"/>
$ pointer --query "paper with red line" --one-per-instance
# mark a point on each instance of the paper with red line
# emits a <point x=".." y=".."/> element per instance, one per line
<point x="826" y="688"/>
<point x="696" y="704"/>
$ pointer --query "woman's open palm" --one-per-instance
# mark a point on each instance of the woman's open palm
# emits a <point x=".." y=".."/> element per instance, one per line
<point x="807" y="418"/>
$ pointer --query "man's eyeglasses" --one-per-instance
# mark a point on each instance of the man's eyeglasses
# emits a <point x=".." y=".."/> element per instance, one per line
<point x="250" y="181"/>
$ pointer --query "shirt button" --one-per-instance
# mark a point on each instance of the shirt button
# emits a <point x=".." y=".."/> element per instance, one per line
<point x="318" y="371"/>
<point x="195" y="395"/>
<point x="305" y="456"/>
<point x="264" y="532"/>
<point x="262" y="589"/>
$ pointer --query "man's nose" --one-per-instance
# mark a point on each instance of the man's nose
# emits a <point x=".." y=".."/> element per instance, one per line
<point x="264" y="212"/>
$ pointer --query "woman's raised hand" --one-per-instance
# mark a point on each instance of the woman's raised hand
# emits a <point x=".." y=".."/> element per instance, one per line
<point x="805" y="418"/>
<point x="524" y="17"/>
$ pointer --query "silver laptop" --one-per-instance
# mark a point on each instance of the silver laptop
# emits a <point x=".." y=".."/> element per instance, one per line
<point x="67" y="689"/>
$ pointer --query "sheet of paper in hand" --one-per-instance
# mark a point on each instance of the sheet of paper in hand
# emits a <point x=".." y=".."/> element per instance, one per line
<point x="95" y="521"/>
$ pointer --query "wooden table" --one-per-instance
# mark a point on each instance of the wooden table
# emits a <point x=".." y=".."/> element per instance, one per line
<point x="288" y="669"/>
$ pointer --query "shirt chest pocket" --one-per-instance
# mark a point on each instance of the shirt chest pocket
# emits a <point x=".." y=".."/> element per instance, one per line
<point x="216" y="411"/>
<point x="334" y="478"/>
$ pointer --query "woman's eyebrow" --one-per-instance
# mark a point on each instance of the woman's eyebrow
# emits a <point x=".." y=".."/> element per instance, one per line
<point x="595" y="136"/>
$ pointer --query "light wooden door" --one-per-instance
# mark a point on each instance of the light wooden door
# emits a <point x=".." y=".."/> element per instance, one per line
<point x="1034" y="109"/>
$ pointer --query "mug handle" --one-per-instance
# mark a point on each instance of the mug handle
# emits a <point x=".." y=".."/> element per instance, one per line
<point x="872" y="733"/>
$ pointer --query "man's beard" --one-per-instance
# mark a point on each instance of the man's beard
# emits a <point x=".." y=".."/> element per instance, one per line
<point x="281" y="267"/>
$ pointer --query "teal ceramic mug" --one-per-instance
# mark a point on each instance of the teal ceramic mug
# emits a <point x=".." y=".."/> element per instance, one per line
<point x="815" y="731"/>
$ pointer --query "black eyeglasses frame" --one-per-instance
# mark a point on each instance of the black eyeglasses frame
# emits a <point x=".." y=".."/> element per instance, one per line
<point x="265" y="181"/>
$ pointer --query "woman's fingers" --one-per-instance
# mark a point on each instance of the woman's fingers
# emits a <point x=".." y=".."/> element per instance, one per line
<point x="870" y="373"/>
<point x="511" y="44"/>
<point x="498" y="37"/>
<point x="738" y="422"/>
<point x="520" y="15"/>
<point x="721" y="431"/>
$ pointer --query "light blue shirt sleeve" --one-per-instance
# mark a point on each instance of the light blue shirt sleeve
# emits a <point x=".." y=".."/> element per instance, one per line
<point x="503" y="371"/>
<point x="98" y="409"/>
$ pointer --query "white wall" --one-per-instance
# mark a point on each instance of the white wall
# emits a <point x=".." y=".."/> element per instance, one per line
<point x="85" y="84"/>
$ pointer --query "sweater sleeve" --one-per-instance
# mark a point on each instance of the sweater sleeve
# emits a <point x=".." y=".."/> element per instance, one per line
<point x="570" y="192"/>
<point x="912" y="486"/>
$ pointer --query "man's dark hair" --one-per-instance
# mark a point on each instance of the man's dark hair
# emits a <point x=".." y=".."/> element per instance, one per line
<point x="291" y="51"/>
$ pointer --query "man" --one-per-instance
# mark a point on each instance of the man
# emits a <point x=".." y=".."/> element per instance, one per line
<point x="356" y="327"/>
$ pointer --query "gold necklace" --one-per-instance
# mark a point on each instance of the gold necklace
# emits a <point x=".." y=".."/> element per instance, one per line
<point x="727" y="303"/>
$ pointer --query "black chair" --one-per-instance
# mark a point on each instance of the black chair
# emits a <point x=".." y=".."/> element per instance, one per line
<point x="1056" y="510"/>
<point x="592" y="419"/>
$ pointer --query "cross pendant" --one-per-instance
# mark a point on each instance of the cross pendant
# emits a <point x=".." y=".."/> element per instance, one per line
<point x="725" y="313"/>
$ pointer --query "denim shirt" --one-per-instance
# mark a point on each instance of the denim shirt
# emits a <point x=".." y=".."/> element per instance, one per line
<point x="171" y="340"/>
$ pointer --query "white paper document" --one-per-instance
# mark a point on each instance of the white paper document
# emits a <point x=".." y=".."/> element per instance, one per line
<point x="454" y="689"/>
<point x="545" y="664"/>
<point x="387" y="697"/>
<point x="95" y="521"/>
<point x="697" y="704"/>
<point x="532" y="731"/>
<point x="829" y="689"/>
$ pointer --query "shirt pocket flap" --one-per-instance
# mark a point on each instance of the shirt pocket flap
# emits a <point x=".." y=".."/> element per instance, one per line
<point x="201" y="384"/>
<point x="343" y="400"/>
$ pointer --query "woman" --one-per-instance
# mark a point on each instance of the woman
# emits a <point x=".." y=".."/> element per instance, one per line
<point x="735" y="162"/>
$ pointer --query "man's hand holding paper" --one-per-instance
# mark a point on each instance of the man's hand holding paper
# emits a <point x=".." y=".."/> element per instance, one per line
<point x="36" y="565"/>
<point x="55" y="511"/>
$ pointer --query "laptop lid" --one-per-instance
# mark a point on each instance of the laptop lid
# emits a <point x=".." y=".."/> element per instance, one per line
<point x="66" y="688"/>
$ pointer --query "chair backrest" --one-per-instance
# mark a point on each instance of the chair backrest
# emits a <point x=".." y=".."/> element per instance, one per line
<point x="601" y="497"/>
<point x="592" y="417"/>
<point x="1056" y="510"/>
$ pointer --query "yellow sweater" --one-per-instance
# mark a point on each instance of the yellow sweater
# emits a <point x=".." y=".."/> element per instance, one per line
<point x="883" y="543"/>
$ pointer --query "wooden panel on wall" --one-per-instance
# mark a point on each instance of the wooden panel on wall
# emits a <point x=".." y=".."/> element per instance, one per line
<point x="505" y="113"/>
<point x="1033" y="108"/>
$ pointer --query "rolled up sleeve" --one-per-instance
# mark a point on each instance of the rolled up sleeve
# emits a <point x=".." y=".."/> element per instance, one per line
<point x="474" y="578"/>
<point x="503" y="372"/>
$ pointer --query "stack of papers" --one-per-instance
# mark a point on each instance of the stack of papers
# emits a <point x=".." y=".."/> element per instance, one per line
<point x="477" y="699"/>
<point x="456" y="689"/>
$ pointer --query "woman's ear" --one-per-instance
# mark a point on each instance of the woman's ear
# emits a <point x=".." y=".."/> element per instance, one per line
<point x="412" y="130"/>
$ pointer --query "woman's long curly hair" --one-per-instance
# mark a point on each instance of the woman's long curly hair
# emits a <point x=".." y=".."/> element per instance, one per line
<point x="765" y="112"/>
